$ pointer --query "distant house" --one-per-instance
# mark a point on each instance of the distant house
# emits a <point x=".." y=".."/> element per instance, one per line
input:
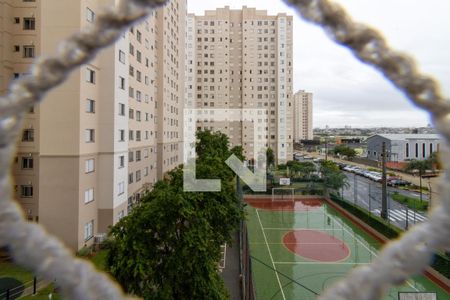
<point x="403" y="147"/>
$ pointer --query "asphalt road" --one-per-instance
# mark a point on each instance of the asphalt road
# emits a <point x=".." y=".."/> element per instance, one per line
<point x="367" y="194"/>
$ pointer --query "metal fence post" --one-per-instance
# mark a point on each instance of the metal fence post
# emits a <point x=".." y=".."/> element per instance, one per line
<point x="34" y="285"/>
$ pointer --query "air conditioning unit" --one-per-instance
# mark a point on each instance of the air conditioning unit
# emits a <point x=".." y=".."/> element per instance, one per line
<point x="99" y="238"/>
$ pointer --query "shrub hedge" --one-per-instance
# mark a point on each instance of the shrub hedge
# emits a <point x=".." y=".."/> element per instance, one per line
<point x="440" y="261"/>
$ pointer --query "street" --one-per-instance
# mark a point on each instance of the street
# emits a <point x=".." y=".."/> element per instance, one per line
<point x="367" y="194"/>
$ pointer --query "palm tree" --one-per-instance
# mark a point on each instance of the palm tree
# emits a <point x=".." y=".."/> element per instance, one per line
<point x="421" y="166"/>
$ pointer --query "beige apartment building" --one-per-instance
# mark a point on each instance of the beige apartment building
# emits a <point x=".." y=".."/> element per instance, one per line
<point x="303" y="116"/>
<point x="242" y="59"/>
<point x="103" y="138"/>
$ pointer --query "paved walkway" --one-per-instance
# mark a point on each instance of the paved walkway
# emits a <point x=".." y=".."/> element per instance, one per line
<point x="231" y="273"/>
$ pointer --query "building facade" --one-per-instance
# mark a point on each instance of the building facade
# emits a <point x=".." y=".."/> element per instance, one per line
<point x="403" y="147"/>
<point x="242" y="59"/>
<point x="102" y="139"/>
<point x="303" y="116"/>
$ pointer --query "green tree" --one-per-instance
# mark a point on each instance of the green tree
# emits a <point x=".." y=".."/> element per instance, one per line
<point x="270" y="157"/>
<point x="301" y="169"/>
<point x="435" y="161"/>
<point x="333" y="178"/>
<point x="345" y="151"/>
<point x="420" y="166"/>
<point x="169" y="246"/>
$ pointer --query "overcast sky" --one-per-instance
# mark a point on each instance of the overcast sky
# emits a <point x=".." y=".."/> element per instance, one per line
<point x="346" y="92"/>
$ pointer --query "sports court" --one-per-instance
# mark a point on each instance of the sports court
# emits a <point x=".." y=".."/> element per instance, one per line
<point x="300" y="247"/>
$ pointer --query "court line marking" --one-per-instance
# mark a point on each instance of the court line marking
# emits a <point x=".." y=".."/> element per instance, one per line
<point x="302" y="228"/>
<point x="299" y="243"/>
<point x="315" y="263"/>
<point x="270" y="254"/>
<point x="364" y="245"/>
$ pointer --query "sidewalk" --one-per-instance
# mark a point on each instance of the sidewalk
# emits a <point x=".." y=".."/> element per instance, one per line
<point x="231" y="273"/>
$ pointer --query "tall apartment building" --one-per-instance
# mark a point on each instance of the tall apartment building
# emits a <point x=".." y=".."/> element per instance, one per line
<point x="91" y="149"/>
<point x="303" y="123"/>
<point x="239" y="59"/>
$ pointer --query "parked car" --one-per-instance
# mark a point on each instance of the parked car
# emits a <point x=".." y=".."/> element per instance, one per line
<point x="398" y="182"/>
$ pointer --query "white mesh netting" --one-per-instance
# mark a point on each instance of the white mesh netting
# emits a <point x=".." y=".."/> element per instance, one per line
<point x="32" y="247"/>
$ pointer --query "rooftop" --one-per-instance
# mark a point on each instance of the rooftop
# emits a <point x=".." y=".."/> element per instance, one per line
<point x="410" y="136"/>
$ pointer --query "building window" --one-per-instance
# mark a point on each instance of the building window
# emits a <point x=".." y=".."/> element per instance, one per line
<point x="138" y="56"/>
<point x="121" y="83"/>
<point x="29" y="24"/>
<point x="407" y="150"/>
<point x="130" y="92"/>
<point x="28" y="51"/>
<point x="26" y="191"/>
<point x="121" y="56"/>
<point x="417" y="150"/>
<point x="88" y="195"/>
<point x="130" y="178"/>
<point x="90" y="75"/>
<point x="90" y="15"/>
<point x="89" y="165"/>
<point x="138" y="176"/>
<point x="131" y="49"/>
<point x="130" y="156"/>
<point x="131" y="135"/>
<point x="88" y="230"/>
<point x="138" y="76"/>
<point x="423" y="150"/>
<point x="89" y="135"/>
<point x="90" y="106"/>
<point x="431" y="148"/>
<point x="138" y="155"/>
<point x="121" y="109"/>
<point x="138" y="135"/>
<point x="138" y="96"/>
<point x="121" y="161"/>
<point x="28" y="135"/>
<point x="121" y="135"/>
<point x="138" y="36"/>
<point x="27" y="163"/>
<point x="121" y="188"/>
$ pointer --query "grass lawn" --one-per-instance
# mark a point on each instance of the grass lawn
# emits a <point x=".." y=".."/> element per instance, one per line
<point x="410" y="202"/>
<point x="9" y="269"/>
<point x="43" y="294"/>
<point x="99" y="260"/>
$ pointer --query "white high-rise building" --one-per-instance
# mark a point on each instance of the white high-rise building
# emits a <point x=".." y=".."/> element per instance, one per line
<point x="303" y="116"/>
<point x="102" y="138"/>
<point x="238" y="59"/>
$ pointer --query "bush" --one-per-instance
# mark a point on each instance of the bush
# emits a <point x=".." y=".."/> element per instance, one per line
<point x="373" y="221"/>
<point x="85" y="251"/>
<point x="441" y="263"/>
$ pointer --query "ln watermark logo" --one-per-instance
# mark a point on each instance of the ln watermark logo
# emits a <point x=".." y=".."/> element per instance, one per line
<point x="256" y="180"/>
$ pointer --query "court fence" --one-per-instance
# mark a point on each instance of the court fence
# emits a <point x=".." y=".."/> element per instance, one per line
<point x="25" y="289"/>
<point x="439" y="262"/>
<point x="248" y="291"/>
<point x="32" y="247"/>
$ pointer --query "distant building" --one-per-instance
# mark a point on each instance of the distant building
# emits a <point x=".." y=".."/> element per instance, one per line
<point x="303" y="129"/>
<point x="403" y="147"/>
